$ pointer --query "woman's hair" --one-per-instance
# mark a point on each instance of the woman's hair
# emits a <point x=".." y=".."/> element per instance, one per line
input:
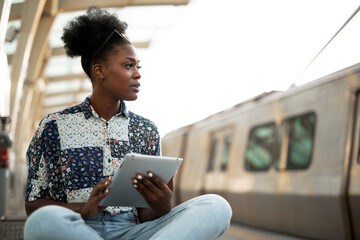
<point x="85" y="36"/>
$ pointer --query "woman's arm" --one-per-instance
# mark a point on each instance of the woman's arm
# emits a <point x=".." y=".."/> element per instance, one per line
<point x="30" y="207"/>
<point x="156" y="193"/>
<point x="88" y="209"/>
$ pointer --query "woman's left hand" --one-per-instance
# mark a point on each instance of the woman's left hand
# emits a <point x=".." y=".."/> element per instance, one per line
<point x="155" y="191"/>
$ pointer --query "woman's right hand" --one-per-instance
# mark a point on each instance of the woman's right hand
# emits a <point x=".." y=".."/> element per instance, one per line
<point x="100" y="191"/>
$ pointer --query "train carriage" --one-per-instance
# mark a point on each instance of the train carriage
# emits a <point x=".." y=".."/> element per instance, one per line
<point x="286" y="161"/>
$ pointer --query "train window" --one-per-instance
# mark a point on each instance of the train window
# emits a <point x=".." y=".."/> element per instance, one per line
<point x="211" y="162"/>
<point x="220" y="148"/>
<point x="295" y="142"/>
<point x="226" y="152"/>
<point x="259" y="149"/>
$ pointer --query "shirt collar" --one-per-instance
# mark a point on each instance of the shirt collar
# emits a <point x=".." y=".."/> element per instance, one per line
<point x="89" y="111"/>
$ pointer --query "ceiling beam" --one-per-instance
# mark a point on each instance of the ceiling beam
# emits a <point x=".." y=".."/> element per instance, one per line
<point x="71" y="5"/>
<point x="15" y="11"/>
<point x="30" y="18"/>
<point x="40" y="46"/>
<point x="61" y="105"/>
<point x="34" y="70"/>
<point x="51" y="9"/>
<point x="76" y="92"/>
<point x="66" y="77"/>
<point x="31" y="13"/>
<point x="58" y="51"/>
<point x="5" y="6"/>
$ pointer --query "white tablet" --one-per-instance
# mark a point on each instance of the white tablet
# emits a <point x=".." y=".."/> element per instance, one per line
<point x="122" y="191"/>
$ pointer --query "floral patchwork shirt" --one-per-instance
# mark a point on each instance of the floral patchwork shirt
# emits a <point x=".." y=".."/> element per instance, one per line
<point x="72" y="150"/>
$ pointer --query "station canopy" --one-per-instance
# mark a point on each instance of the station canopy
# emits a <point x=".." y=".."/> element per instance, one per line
<point x="41" y="73"/>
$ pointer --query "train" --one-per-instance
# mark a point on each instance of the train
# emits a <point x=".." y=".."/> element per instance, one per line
<point x="286" y="161"/>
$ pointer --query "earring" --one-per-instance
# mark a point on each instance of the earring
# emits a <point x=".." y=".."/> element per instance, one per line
<point x="101" y="78"/>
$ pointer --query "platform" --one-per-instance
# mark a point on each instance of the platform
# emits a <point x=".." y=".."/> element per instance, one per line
<point x="240" y="232"/>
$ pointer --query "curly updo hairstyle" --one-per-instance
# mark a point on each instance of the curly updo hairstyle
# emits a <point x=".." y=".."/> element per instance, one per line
<point x="84" y="36"/>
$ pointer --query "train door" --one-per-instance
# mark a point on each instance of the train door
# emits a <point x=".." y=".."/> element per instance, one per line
<point x="354" y="181"/>
<point x="218" y="159"/>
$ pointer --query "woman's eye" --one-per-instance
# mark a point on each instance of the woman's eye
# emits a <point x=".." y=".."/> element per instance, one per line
<point x="129" y="65"/>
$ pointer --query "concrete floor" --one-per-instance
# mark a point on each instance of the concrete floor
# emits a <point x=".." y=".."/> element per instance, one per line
<point x="238" y="232"/>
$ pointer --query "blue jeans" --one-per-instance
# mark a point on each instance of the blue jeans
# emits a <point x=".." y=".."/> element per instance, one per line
<point x="205" y="217"/>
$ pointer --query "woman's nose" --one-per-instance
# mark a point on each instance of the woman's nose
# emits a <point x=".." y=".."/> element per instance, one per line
<point x="137" y="74"/>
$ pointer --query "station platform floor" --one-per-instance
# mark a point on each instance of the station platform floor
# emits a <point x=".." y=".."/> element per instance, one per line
<point x="240" y="232"/>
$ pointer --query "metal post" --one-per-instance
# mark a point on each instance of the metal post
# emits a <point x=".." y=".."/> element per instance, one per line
<point x="5" y="83"/>
<point x="5" y="144"/>
<point x="3" y="177"/>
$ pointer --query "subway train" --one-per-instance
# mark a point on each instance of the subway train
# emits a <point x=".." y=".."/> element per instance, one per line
<point x="286" y="161"/>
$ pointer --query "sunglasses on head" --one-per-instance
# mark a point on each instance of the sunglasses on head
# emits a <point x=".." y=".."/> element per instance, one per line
<point x="122" y="36"/>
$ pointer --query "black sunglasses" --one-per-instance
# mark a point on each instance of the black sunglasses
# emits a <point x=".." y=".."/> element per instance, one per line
<point x="122" y="36"/>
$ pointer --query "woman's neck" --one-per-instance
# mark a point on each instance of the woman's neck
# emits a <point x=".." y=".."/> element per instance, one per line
<point x="106" y="107"/>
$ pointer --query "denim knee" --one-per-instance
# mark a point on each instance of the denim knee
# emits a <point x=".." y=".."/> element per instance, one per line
<point x="219" y="206"/>
<point x="215" y="206"/>
<point x="49" y="222"/>
<point x="220" y="211"/>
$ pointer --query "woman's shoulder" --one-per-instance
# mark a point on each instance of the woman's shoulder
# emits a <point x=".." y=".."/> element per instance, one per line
<point x="141" y="122"/>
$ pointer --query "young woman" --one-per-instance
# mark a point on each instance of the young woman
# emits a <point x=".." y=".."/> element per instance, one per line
<point x="74" y="153"/>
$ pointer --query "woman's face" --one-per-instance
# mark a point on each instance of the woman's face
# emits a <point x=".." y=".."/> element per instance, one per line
<point x="121" y="73"/>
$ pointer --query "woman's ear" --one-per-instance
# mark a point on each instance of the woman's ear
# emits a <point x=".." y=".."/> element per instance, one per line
<point x="98" y="73"/>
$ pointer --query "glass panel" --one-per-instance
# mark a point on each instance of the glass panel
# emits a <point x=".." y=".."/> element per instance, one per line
<point x="226" y="152"/>
<point x="300" y="141"/>
<point x="259" y="149"/>
<point x="212" y="156"/>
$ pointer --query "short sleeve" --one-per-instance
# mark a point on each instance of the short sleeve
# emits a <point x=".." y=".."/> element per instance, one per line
<point x="144" y="135"/>
<point x="44" y="178"/>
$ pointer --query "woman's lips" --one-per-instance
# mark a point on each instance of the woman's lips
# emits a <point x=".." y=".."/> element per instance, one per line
<point x="135" y="87"/>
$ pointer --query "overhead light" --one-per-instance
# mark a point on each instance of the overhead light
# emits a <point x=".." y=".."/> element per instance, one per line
<point x="11" y="34"/>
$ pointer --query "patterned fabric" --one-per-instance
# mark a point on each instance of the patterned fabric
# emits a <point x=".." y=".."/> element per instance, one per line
<point x="74" y="149"/>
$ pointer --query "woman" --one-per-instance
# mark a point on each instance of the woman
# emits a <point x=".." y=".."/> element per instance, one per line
<point x="75" y="152"/>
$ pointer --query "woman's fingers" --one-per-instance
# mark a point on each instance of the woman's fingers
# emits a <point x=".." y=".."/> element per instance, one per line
<point x="156" y="193"/>
<point x="101" y="189"/>
<point x="155" y="179"/>
<point x="150" y="184"/>
<point x="144" y="184"/>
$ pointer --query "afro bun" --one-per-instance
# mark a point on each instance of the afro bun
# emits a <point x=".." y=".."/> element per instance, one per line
<point x="84" y="35"/>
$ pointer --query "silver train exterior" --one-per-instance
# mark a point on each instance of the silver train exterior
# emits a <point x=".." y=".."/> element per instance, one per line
<point x="286" y="161"/>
